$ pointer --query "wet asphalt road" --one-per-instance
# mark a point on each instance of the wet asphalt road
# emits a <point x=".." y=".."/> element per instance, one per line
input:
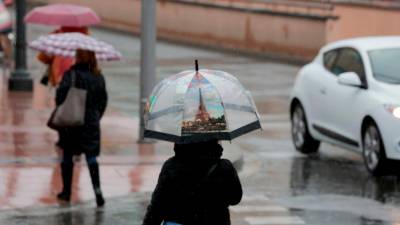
<point x="281" y="186"/>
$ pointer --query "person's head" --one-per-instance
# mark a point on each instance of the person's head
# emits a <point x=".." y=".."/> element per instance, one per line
<point x="206" y="149"/>
<point x="89" y="58"/>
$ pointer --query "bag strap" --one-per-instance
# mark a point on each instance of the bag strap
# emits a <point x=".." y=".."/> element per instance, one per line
<point x="208" y="174"/>
<point x="210" y="171"/>
<point x="73" y="78"/>
<point x="197" y="190"/>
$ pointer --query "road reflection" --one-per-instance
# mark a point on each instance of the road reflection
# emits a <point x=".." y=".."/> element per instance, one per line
<point x="326" y="176"/>
<point x="332" y="185"/>
<point x="80" y="217"/>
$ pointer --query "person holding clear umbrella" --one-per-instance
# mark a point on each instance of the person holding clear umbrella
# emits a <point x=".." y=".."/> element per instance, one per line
<point x="194" y="187"/>
<point x="196" y="109"/>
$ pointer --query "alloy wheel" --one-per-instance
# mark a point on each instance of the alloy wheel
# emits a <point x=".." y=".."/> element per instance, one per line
<point x="298" y="127"/>
<point x="372" y="148"/>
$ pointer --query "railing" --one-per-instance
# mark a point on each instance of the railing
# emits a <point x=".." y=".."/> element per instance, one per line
<point x="330" y="3"/>
<point x="390" y="4"/>
<point x="304" y="5"/>
<point x="279" y="6"/>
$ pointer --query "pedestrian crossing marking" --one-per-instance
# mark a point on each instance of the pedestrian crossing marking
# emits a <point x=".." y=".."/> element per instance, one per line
<point x="275" y="220"/>
<point x="255" y="198"/>
<point x="258" y="209"/>
<point x="250" y="209"/>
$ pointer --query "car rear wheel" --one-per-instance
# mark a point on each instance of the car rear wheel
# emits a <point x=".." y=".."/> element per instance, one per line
<point x="373" y="150"/>
<point x="301" y="137"/>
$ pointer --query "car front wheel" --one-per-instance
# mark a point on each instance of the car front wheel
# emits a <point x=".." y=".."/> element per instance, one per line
<point x="373" y="150"/>
<point x="301" y="137"/>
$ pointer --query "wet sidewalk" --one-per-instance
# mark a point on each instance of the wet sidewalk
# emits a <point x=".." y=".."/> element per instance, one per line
<point x="29" y="170"/>
<point x="29" y="161"/>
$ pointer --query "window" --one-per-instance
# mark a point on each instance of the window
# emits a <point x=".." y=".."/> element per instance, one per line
<point x="329" y="58"/>
<point x="385" y="65"/>
<point x="349" y="60"/>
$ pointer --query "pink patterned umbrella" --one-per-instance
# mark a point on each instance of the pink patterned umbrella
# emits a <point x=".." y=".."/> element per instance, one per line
<point x="66" y="44"/>
<point x="63" y="15"/>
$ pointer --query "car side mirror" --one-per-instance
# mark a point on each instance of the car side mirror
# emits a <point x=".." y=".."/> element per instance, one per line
<point x="350" y="79"/>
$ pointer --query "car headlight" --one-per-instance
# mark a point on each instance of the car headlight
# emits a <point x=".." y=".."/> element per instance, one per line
<point x="393" y="109"/>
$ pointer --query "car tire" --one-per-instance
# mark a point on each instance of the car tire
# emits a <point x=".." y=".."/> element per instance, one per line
<point x="374" y="155"/>
<point x="301" y="137"/>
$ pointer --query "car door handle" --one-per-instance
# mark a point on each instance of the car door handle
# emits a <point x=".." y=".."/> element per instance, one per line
<point x="323" y="91"/>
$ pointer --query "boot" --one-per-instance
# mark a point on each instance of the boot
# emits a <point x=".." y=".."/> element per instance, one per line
<point x="64" y="197"/>
<point x="100" y="200"/>
<point x="95" y="176"/>
<point x="66" y="173"/>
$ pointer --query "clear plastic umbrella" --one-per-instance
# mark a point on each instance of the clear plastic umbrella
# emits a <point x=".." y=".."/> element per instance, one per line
<point x="200" y="105"/>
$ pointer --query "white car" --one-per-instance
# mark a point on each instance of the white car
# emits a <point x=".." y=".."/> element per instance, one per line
<point x="349" y="96"/>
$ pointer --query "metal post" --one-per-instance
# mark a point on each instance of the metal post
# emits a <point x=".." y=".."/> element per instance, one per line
<point x="148" y="58"/>
<point x="20" y="79"/>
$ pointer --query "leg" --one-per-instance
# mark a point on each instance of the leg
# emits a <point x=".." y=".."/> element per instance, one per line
<point x="95" y="176"/>
<point x="6" y="45"/>
<point x="67" y="168"/>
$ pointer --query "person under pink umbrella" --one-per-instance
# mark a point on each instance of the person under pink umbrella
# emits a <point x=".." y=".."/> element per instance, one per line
<point x="5" y="29"/>
<point x="71" y="18"/>
<point x="63" y="15"/>
<point x="57" y="65"/>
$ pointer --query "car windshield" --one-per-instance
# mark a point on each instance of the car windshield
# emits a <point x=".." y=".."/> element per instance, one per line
<point x="385" y="65"/>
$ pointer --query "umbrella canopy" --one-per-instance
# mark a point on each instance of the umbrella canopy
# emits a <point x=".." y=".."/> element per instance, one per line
<point x="63" y="15"/>
<point x="195" y="106"/>
<point x="66" y="44"/>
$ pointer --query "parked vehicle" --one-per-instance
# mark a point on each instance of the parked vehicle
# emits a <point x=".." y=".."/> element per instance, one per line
<point x="349" y="95"/>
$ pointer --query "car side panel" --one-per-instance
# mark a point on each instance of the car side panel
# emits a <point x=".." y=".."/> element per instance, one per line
<point x="306" y="89"/>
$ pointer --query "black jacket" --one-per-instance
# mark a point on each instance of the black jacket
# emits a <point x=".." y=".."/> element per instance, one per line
<point x="86" y="138"/>
<point x="182" y="195"/>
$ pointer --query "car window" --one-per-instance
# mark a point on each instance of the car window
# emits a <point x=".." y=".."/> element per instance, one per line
<point x="329" y="58"/>
<point x="348" y="60"/>
<point x="385" y="67"/>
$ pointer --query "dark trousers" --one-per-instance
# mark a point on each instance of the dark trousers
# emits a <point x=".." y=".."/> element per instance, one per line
<point x="67" y="169"/>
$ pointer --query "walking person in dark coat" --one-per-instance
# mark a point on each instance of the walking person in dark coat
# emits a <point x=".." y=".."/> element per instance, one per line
<point x="195" y="187"/>
<point x="84" y="139"/>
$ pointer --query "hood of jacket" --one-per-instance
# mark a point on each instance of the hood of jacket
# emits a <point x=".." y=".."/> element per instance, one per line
<point x="202" y="151"/>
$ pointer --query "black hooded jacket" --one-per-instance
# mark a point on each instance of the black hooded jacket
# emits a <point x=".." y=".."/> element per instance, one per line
<point x="84" y="139"/>
<point x="183" y="194"/>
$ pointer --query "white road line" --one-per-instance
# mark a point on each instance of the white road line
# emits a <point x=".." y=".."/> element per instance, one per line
<point x="281" y="155"/>
<point x="250" y="209"/>
<point x="278" y="220"/>
<point x="249" y="198"/>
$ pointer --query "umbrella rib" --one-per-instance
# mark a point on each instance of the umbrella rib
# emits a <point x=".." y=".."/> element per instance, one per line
<point x="159" y="92"/>
<point x="164" y="112"/>
<point x="164" y="87"/>
<point x="226" y="77"/>
<point x="236" y="82"/>
<point x="222" y="103"/>
<point x="245" y="129"/>
<point x="184" y="102"/>
<point x="242" y="108"/>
